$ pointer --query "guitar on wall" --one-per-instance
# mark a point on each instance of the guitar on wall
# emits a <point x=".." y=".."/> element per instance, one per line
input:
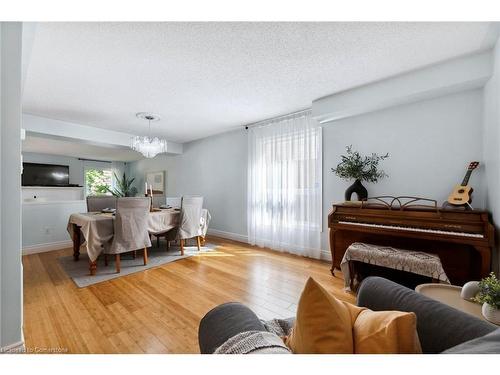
<point x="462" y="194"/>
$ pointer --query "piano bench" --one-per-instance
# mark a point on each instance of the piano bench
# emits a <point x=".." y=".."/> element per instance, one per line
<point x="407" y="267"/>
<point x="407" y="279"/>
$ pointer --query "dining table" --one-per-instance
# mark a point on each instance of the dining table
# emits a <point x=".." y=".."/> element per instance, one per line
<point x="93" y="231"/>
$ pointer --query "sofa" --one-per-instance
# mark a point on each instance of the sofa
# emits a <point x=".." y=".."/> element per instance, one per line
<point x="441" y="329"/>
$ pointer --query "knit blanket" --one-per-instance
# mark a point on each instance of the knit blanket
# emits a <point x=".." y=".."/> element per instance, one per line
<point x="260" y="342"/>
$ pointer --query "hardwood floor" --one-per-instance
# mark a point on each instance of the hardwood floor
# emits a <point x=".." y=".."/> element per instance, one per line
<point x="158" y="310"/>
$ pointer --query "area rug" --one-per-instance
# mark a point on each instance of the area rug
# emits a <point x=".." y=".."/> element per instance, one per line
<point x="79" y="271"/>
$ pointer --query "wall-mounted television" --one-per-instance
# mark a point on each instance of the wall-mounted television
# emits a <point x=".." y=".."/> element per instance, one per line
<point x="45" y="175"/>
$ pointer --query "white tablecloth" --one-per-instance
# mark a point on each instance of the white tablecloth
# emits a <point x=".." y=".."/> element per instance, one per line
<point x="97" y="228"/>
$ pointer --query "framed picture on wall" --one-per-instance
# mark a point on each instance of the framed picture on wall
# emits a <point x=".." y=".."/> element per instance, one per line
<point x="158" y="181"/>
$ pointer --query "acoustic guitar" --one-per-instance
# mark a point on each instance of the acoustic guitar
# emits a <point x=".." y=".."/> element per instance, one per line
<point x="462" y="194"/>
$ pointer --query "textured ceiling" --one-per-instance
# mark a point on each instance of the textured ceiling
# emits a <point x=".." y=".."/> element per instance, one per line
<point x="206" y="78"/>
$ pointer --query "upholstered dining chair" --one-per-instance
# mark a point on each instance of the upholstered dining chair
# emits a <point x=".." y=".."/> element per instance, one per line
<point x="173" y="201"/>
<point x="131" y="231"/>
<point x="97" y="203"/>
<point x="189" y="221"/>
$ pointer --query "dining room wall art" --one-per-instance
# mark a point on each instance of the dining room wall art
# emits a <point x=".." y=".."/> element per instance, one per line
<point x="158" y="181"/>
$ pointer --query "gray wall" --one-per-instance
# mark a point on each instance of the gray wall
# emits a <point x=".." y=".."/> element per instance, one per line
<point x="11" y="289"/>
<point x="76" y="166"/>
<point x="215" y="167"/>
<point x="44" y="224"/>
<point x="491" y="145"/>
<point x="162" y="162"/>
<point x="430" y="144"/>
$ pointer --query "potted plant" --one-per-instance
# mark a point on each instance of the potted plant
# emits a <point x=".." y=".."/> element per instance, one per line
<point x="489" y="296"/>
<point x="123" y="187"/>
<point x="360" y="168"/>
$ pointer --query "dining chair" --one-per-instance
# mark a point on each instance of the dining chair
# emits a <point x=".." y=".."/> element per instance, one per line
<point x="131" y="231"/>
<point x="189" y="221"/>
<point x="97" y="203"/>
<point x="173" y="201"/>
<point x="169" y="235"/>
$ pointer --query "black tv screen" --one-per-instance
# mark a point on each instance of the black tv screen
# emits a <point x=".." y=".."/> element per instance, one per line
<point x="45" y="175"/>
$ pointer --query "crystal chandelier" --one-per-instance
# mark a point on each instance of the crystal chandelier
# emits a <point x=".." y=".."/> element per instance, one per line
<point x="147" y="145"/>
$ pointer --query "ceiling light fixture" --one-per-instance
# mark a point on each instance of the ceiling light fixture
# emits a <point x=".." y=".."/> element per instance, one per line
<point x="147" y="145"/>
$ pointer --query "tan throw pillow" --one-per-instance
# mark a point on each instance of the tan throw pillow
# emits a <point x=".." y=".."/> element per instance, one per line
<point x="386" y="332"/>
<point x="327" y="325"/>
<point x="323" y="323"/>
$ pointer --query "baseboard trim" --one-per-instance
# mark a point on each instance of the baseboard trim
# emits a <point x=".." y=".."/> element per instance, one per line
<point x="42" y="248"/>
<point x="325" y="254"/>
<point x="17" y="347"/>
<point x="228" y="235"/>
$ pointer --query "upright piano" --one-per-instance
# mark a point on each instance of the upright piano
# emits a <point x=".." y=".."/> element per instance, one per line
<point x="464" y="240"/>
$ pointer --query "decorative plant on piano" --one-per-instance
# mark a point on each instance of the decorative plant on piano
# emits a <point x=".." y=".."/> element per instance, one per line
<point x="360" y="168"/>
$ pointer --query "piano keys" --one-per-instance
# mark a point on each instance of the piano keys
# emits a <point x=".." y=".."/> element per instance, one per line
<point x="413" y="229"/>
<point x="463" y="240"/>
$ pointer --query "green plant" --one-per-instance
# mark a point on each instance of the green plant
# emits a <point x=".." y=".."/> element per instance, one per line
<point x="489" y="291"/>
<point x="364" y="168"/>
<point x="123" y="187"/>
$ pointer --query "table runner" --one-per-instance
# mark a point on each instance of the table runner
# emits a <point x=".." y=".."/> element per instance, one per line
<point x="97" y="228"/>
<point x="417" y="262"/>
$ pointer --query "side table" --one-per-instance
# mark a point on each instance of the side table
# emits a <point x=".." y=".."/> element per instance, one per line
<point x="450" y="295"/>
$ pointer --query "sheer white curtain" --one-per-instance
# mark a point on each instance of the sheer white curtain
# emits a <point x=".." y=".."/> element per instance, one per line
<point x="284" y="185"/>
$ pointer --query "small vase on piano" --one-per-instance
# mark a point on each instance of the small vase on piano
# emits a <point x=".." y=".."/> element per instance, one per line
<point x="358" y="188"/>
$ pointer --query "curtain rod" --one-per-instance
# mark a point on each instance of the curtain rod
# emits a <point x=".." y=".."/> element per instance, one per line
<point x="100" y="161"/>
<point x="282" y="117"/>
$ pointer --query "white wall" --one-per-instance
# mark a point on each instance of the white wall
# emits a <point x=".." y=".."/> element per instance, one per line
<point x="10" y="185"/>
<point x="491" y="144"/>
<point x="215" y="167"/>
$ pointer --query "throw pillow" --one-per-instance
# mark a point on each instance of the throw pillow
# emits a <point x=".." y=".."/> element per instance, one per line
<point x="323" y="323"/>
<point x="386" y="332"/>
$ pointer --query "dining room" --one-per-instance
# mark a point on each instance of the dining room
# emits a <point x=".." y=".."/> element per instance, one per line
<point x="106" y="216"/>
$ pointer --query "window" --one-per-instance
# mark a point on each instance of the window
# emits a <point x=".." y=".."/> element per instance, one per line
<point x="289" y="179"/>
<point x="284" y="185"/>
<point x="98" y="181"/>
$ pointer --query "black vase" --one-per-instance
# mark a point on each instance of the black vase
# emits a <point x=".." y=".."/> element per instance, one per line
<point x="357" y="188"/>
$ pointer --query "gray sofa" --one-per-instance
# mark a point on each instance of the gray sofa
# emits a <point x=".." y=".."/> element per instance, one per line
<point x="441" y="329"/>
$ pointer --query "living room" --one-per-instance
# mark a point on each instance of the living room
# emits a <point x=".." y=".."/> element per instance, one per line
<point x="250" y="187"/>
